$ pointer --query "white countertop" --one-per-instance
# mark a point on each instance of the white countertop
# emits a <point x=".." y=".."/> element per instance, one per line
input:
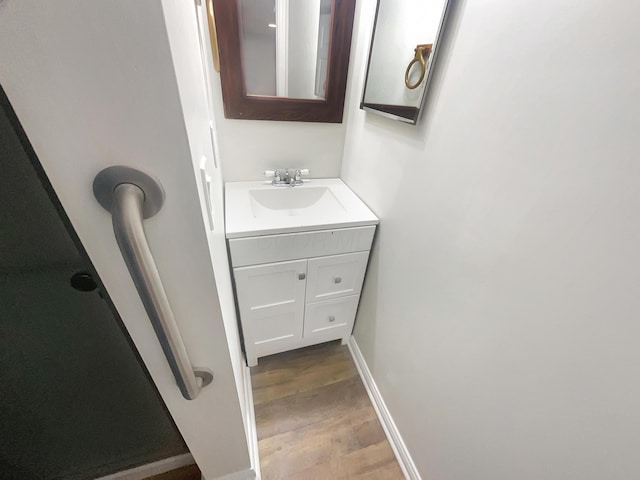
<point x="339" y="208"/>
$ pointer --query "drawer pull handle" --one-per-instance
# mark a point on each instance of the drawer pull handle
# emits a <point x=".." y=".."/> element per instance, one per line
<point x="301" y="276"/>
<point x="337" y="279"/>
<point x="332" y="318"/>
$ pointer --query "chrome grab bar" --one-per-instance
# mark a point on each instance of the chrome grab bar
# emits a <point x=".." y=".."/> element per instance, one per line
<point x="131" y="196"/>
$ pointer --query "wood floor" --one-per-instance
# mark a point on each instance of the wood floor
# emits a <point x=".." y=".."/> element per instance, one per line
<point x="315" y="420"/>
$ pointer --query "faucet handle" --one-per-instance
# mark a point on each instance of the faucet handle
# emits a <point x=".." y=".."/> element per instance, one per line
<point x="273" y="173"/>
<point x="299" y="173"/>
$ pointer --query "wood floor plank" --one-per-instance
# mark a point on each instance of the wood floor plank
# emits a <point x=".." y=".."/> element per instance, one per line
<point x="321" y="471"/>
<point x="314" y="418"/>
<point x="374" y="461"/>
<point x="277" y="377"/>
<point x="295" y="411"/>
<point x="321" y="442"/>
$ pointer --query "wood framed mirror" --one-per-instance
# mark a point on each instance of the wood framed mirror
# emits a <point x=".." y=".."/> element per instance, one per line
<point x="284" y="59"/>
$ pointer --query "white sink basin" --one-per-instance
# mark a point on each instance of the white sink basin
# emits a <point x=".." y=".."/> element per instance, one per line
<point x="259" y="208"/>
<point x="293" y="201"/>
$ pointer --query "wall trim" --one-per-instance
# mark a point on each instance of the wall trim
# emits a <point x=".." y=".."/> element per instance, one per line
<point x="250" y="430"/>
<point x="252" y="433"/>
<point x="393" y="434"/>
<point x="150" y="469"/>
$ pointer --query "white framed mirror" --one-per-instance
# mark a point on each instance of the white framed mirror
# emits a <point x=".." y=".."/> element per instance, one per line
<point x="404" y="47"/>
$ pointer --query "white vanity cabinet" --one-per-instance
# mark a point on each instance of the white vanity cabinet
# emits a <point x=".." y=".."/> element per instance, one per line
<point x="299" y="289"/>
<point x="299" y="256"/>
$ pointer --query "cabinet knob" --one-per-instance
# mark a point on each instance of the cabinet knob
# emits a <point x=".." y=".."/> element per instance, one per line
<point x="337" y="279"/>
<point x="302" y="276"/>
<point x="332" y="318"/>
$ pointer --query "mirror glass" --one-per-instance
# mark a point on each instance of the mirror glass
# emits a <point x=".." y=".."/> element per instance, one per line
<point x="403" y="50"/>
<point x="285" y="47"/>
<point x="284" y="60"/>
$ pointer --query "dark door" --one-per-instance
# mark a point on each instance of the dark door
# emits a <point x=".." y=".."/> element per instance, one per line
<point x="75" y="399"/>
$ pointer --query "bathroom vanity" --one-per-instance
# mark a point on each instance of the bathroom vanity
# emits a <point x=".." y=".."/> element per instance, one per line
<point x="299" y="256"/>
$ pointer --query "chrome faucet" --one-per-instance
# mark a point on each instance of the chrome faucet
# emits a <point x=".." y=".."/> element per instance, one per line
<point x="294" y="179"/>
<point x="286" y="179"/>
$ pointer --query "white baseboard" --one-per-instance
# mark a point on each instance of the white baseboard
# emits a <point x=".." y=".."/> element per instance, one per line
<point x="393" y="435"/>
<point x="150" y="469"/>
<point x="252" y="433"/>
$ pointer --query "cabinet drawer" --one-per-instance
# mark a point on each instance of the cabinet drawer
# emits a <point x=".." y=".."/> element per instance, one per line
<point x="331" y="318"/>
<point x="335" y="276"/>
<point x="292" y="246"/>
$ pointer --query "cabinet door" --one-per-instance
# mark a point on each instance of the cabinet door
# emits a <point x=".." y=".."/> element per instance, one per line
<point x="271" y="303"/>
<point x="336" y="276"/>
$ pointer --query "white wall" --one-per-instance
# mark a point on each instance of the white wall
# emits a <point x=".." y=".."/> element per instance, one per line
<point x="249" y="147"/>
<point x="189" y="53"/>
<point x="217" y="240"/>
<point x="98" y="84"/>
<point x="500" y="312"/>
